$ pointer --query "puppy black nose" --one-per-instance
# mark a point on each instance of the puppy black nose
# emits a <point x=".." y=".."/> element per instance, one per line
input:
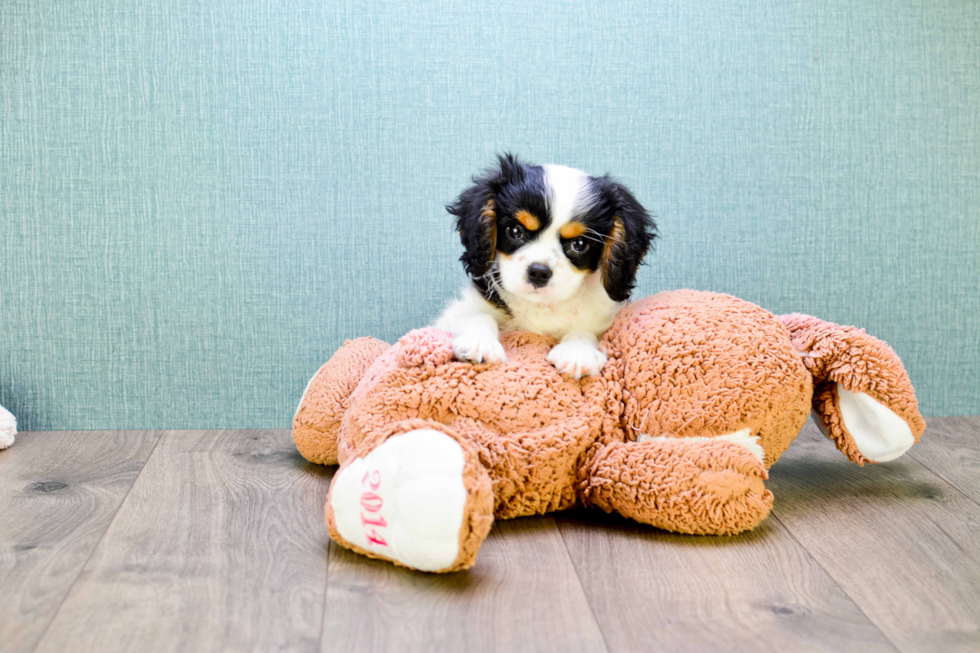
<point x="538" y="274"/>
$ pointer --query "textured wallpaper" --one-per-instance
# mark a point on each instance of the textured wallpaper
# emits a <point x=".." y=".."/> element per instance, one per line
<point x="201" y="200"/>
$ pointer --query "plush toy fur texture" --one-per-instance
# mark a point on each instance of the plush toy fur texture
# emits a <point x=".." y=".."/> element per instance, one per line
<point x="702" y="392"/>
<point x="8" y="428"/>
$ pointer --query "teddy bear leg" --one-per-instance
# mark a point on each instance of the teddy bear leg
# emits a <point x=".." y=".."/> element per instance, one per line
<point x="317" y="419"/>
<point x="420" y="498"/>
<point x="687" y="485"/>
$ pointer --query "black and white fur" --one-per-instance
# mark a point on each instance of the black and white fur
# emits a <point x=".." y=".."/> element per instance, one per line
<point x="549" y="249"/>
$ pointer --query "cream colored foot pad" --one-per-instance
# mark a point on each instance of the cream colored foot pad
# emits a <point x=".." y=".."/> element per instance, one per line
<point x="404" y="500"/>
<point x="743" y="438"/>
<point x="880" y="434"/>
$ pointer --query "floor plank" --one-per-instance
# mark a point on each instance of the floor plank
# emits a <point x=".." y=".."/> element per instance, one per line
<point x="902" y="542"/>
<point x="58" y="491"/>
<point x="758" y="591"/>
<point x="951" y="450"/>
<point x="522" y="595"/>
<point x="220" y="545"/>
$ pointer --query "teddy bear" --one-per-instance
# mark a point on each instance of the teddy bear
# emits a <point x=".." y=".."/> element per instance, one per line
<point x="8" y="428"/>
<point x="701" y="394"/>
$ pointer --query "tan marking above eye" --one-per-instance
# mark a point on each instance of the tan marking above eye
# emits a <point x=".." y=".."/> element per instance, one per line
<point x="572" y="230"/>
<point x="527" y="219"/>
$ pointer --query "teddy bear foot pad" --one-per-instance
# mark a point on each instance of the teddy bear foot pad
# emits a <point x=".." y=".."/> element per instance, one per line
<point x="877" y="432"/>
<point x="405" y="500"/>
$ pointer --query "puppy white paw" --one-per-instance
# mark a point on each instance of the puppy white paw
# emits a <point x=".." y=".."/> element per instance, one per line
<point x="478" y="348"/>
<point x="577" y="358"/>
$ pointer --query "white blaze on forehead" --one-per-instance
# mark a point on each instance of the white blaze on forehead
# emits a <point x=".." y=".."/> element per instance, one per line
<point x="568" y="194"/>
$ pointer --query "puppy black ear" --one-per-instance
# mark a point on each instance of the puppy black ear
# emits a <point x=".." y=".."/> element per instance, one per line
<point x="476" y="214"/>
<point x="629" y="241"/>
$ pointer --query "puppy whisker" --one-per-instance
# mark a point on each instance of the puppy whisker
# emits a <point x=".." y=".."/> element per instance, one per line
<point x="600" y="238"/>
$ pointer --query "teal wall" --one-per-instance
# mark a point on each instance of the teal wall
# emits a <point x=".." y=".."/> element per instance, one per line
<point x="201" y="200"/>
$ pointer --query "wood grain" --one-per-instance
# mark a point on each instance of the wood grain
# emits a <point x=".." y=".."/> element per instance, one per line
<point x="522" y="595"/>
<point x="220" y="545"/>
<point x="902" y="542"/>
<point x="58" y="493"/>
<point x="758" y="591"/>
<point x="950" y="449"/>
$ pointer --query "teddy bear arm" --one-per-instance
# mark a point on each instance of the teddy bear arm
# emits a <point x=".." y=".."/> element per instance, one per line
<point x="698" y="487"/>
<point x="863" y="399"/>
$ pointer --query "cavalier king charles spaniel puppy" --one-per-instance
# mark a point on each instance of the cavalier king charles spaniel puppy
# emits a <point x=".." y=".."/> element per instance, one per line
<point x="548" y="249"/>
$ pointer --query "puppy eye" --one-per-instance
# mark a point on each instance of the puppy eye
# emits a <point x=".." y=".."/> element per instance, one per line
<point x="579" y="245"/>
<point x="516" y="232"/>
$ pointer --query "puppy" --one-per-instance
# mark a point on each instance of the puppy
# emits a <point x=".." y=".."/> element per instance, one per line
<point x="548" y="249"/>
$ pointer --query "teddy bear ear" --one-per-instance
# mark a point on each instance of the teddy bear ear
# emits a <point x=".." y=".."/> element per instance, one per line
<point x="316" y="423"/>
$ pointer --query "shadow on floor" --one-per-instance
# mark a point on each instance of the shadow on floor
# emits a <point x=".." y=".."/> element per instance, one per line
<point x="807" y="485"/>
<point x="618" y="526"/>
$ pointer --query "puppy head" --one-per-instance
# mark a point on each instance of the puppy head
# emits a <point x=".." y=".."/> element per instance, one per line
<point x="539" y="232"/>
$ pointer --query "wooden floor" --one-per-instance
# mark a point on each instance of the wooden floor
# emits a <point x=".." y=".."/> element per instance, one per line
<point x="214" y="540"/>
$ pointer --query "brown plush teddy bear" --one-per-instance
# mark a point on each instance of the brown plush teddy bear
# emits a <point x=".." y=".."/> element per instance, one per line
<point x="702" y="392"/>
